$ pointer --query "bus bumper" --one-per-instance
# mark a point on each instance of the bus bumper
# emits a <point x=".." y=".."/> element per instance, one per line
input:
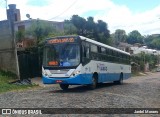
<point x="76" y="80"/>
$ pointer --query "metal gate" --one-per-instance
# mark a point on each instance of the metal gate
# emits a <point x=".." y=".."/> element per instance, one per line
<point x="29" y="65"/>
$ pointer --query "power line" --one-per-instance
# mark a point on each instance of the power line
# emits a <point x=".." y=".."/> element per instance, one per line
<point x="64" y="10"/>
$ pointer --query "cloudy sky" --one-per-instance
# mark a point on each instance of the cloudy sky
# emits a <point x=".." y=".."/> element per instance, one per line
<point x="141" y="15"/>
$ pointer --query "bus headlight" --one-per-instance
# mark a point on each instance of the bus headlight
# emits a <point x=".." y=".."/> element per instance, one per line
<point x="46" y="73"/>
<point x="76" y="73"/>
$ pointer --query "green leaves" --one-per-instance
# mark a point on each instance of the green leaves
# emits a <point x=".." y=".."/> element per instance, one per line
<point x="153" y="41"/>
<point x="135" y="37"/>
<point x="20" y="35"/>
<point x="119" y="36"/>
<point x="88" y="28"/>
<point x="142" y="58"/>
<point x="40" y="30"/>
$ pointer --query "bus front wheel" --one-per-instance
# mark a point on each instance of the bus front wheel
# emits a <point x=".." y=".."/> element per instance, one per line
<point x="64" y="86"/>
<point x="94" y="83"/>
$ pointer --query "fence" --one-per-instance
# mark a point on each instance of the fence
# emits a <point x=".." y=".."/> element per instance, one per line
<point x="29" y="65"/>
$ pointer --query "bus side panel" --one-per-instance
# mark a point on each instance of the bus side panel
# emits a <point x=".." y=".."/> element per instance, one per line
<point x="109" y="77"/>
<point x="107" y="72"/>
<point x="126" y="75"/>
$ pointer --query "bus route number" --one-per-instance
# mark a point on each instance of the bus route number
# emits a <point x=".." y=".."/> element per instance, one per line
<point x="63" y="40"/>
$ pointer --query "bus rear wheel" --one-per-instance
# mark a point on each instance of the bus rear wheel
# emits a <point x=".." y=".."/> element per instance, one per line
<point x="64" y="86"/>
<point x="120" y="81"/>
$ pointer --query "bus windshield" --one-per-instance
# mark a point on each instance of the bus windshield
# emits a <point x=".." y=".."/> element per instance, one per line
<point x="61" y="55"/>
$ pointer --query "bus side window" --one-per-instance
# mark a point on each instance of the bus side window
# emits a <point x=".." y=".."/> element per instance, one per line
<point x="85" y="51"/>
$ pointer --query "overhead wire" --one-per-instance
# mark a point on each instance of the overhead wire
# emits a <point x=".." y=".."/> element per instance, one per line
<point x="64" y="10"/>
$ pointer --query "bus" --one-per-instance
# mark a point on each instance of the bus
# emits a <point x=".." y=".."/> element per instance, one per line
<point x="77" y="60"/>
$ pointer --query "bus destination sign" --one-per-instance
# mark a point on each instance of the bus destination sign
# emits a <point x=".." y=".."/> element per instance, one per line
<point x="61" y="40"/>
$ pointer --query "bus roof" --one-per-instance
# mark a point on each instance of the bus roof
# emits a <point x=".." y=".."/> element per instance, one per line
<point x="91" y="41"/>
<point x="101" y="44"/>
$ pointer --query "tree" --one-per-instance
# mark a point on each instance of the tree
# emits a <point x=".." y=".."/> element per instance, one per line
<point x="20" y="35"/>
<point x="80" y="24"/>
<point x="102" y="32"/>
<point x="153" y="41"/>
<point x="120" y="36"/>
<point x="69" y="28"/>
<point x="88" y="28"/>
<point x="135" y="37"/>
<point x="40" y="29"/>
<point x="142" y="58"/>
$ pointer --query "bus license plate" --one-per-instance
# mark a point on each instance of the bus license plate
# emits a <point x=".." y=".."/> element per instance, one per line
<point x="59" y="81"/>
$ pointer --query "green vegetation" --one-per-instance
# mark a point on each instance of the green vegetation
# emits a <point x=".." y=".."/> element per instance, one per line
<point x="153" y="41"/>
<point x="89" y="28"/>
<point x="76" y="25"/>
<point x="135" y="37"/>
<point x="5" y="85"/>
<point x="142" y="58"/>
<point x="40" y="30"/>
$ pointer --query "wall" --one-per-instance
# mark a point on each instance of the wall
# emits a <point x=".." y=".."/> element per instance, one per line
<point x="8" y="59"/>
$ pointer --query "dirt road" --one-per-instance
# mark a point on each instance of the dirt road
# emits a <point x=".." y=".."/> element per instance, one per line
<point x="136" y="92"/>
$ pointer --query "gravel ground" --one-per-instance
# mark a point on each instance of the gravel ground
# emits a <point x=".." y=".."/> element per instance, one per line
<point x="136" y="92"/>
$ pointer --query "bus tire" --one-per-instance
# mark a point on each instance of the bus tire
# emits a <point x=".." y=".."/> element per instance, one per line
<point x="120" y="81"/>
<point x="94" y="83"/>
<point x="64" y="86"/>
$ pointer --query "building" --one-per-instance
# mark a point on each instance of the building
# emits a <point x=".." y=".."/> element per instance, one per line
<point x="8" y="53"/>
<point x="138" y="50"/>
<point x="24" y="25"/>
<point x="10" y="59"/>
<point x="14" y="17"/>
<point x="124" y="46"/>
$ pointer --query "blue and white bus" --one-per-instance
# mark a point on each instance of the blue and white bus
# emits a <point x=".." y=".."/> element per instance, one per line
<point x="77" y="60"/>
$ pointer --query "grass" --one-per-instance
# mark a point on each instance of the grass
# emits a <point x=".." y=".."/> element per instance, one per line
<point x="5" y="85"/>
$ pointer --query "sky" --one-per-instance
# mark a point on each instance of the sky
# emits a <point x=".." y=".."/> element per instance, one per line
<point x="129" y="15"/>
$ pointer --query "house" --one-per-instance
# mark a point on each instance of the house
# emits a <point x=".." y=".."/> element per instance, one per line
<point x="13" y="56"/>
<point x="124" y="46"/>
<point x="14" y="16"/>
<point x="138" y="50"/>
<point x="28" y="40"/>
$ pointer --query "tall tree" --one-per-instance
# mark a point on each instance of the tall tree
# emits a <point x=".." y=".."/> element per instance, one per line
<point x="80" y="24"/>
<point x="90" y="27"/>
<point x="40" y="29"/>
<point x="102" y="31"/>
<point x="97" y="31"/>
<point x="153" y="41"/>
<point x="69" y="28"/>
<point x="135" y="37"/>
<point x="120" y="36"/>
